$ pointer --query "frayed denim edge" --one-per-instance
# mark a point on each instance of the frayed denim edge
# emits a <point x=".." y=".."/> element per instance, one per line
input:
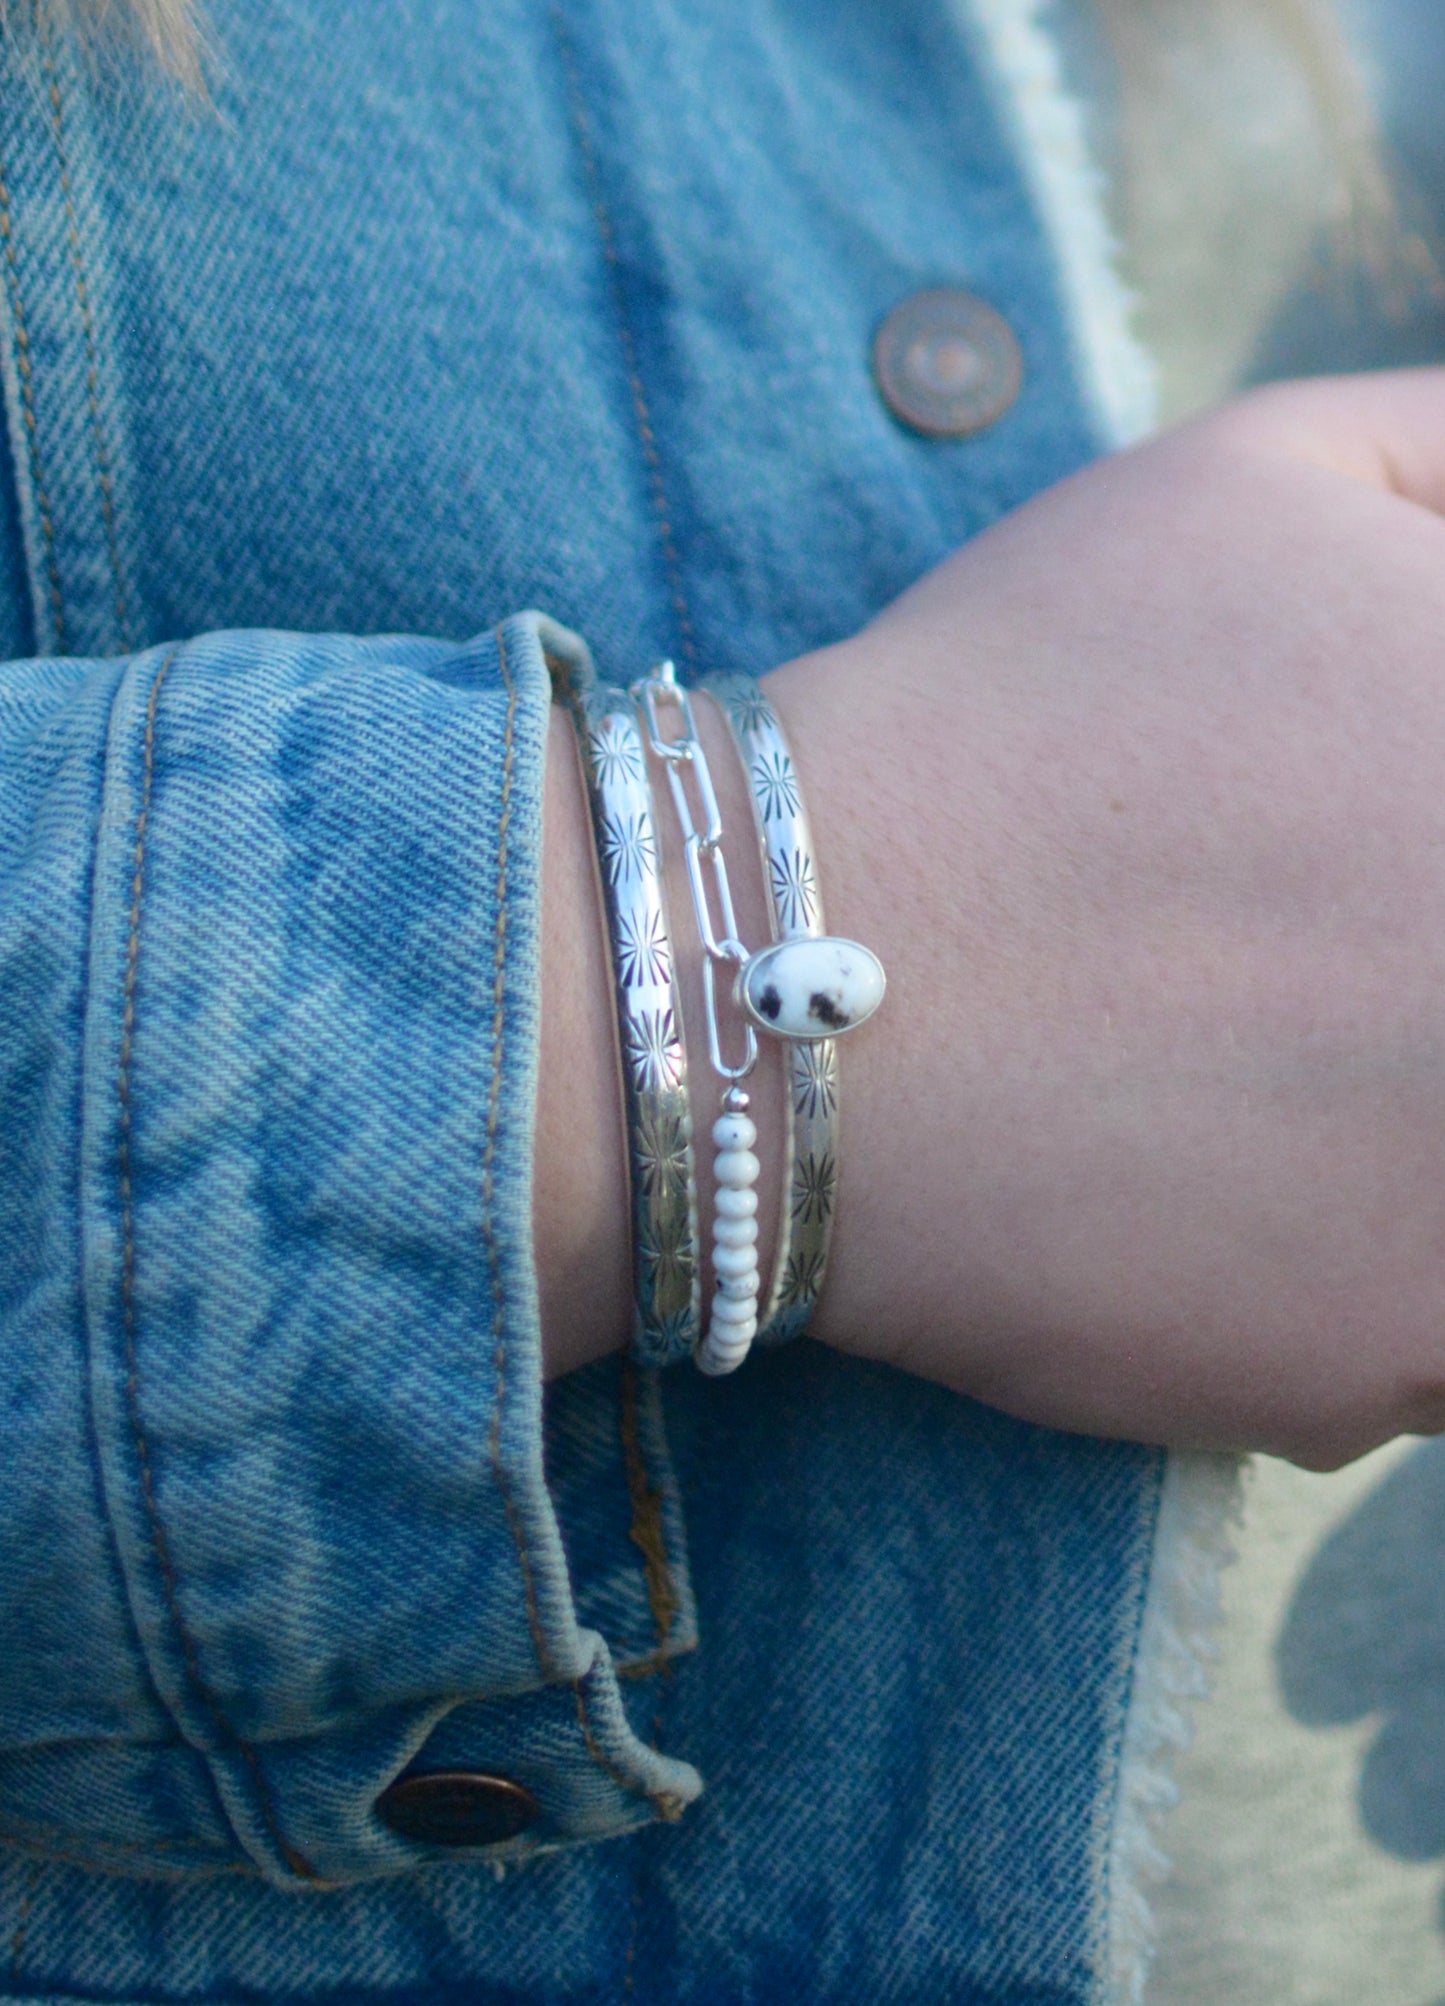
<point x="1117" y="373"/>
<point x="1199" y="1508"/>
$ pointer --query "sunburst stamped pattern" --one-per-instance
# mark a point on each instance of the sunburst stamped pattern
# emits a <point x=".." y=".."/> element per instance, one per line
<point x="802" y="1278"/>
<point x="775" y="785"/>
<point x="654" y="1062"/>
<point x="815" y="1179"/>
<point x="627" y="846"/>
<point x="748" y="710"/>
<point x="795" y="891"/>
<point x="664" y="1148"/>
<point x="786" y="845"/>
<point x="644" y="957"/>
<point x="616" y="753"/>
<point x="654" y="1049"/>
<point x="815" y="1080"/>
<point x="666" y="1338"/>
<point x="670" y="1271"/>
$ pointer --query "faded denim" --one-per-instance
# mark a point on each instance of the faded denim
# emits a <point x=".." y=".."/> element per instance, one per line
<point x="453" y="311"/>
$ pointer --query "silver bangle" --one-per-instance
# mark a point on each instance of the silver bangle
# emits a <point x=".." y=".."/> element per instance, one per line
<point x="666" y="1280"/>
<point x="796" y="908"/>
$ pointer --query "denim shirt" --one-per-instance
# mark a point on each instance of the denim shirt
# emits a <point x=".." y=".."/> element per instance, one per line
<point x="442" y="314"/>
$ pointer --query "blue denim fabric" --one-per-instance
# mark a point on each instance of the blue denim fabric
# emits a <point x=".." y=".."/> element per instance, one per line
<point x="270" y="981"/>
<point x="451" y="311"/>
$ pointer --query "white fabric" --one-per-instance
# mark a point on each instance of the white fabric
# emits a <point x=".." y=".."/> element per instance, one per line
<point x="1308" y="1847"/>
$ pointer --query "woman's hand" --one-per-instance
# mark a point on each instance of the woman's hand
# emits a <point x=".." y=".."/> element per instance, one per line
<point x="1141" y="799"/>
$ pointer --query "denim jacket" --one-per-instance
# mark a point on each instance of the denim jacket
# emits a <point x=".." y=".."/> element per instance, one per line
<point x="445" y="313"/>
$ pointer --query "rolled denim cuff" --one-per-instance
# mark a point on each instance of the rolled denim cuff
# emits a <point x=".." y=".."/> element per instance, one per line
<point x="277" y="1524"/>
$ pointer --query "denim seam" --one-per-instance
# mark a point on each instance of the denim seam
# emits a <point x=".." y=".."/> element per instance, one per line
<point x="645" y="1668"/>
<point x="27" y="403"/>
<point x="647" y="1531"/>
<point x="92" y="365"/>
<point x="641" y="409"/>
<point x="594" y="1747"/>
<point x="489" y="1235"/>
<point x="159" y="1540"/>
<point x="22" y="1925"/>
<point x="667" y="1807"/>
<point x="489" y="1226"/>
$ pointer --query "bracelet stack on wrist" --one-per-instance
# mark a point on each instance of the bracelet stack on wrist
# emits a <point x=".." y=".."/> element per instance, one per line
<point x="804" y="987"/>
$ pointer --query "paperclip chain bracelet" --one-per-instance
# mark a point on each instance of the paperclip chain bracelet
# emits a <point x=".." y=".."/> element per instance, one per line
<point x="733" y="1313"/>
<point x="665" y="1249"/>
<point x="795" y="906"/>
<point x="792" y="989"/>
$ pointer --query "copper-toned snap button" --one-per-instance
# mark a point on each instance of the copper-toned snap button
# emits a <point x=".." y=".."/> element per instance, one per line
<point x="453" y="1807"/>
<point x="947" y="364"/>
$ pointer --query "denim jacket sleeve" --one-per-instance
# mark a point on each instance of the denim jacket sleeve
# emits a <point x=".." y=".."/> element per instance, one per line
<point x="275" y="1522"/>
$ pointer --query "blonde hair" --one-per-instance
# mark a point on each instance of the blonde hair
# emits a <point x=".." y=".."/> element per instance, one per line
<point x="1149" y="35"/>
<point x="170" y="29"/>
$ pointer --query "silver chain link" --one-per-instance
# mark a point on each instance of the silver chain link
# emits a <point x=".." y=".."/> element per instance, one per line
<point x="682" y="756"/>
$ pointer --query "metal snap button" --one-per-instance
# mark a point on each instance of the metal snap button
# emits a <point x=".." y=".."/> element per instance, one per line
<point x="454" y="1807"/>
<point x="947" y="363"/>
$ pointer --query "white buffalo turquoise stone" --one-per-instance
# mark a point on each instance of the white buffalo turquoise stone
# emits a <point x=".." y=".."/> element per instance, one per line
<point x="811" y="988"/>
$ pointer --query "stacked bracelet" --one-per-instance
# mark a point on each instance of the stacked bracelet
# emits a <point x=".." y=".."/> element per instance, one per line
<point x="654" y="1061"/>
<point x="733" y="1313"/>
<point x="796" y="910"/>
<point x="805" y="987"/>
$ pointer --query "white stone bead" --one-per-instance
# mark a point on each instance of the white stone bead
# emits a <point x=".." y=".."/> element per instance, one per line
<point x="735" y="1335"/>
<point x="734" y="1131"/>
<point x="733" y="1260"/>
<point x="737" y="1167"/>
<point x="812" y="988"/>
<point x="727" y="1357"/>
<point x="715" y="1360"/>
<point x="733" y="1202"/>
<point x="739" y="1287"/>
<point x="725" y="1310"/>
<point x="735" y="1232"/>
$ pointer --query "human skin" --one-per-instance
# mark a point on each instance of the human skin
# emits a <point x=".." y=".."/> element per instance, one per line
<point x="1141" y="799"/>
